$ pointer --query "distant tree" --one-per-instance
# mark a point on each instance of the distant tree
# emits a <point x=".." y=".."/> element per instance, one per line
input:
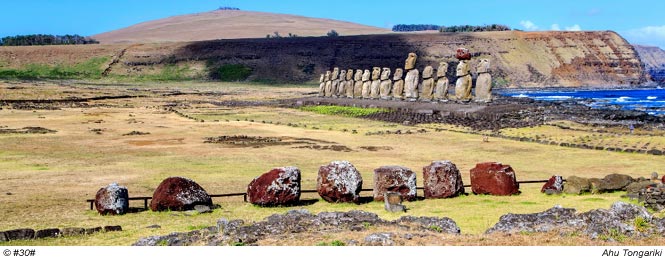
<point x="332" y="33"/>
<point x="293" y="35"/>
<point x="415" y="27"/>
<point x="46" y="39"/>
<point x="474" y="28"/>
<point x="228" y="8"/>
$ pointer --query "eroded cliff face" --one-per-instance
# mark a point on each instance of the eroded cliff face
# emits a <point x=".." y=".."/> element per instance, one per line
<point x="654" y="61"/>
<point x="521" y="59"/>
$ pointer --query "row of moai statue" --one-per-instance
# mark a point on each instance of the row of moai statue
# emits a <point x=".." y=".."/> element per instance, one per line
<point x="378" y="85"/>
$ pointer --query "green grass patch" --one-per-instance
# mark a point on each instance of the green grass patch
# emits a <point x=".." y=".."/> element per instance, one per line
<point x="332" y="243"/>
<point x="344" y="111"/>
<point x="90" y="69"/>
<point x="231" y="72"/>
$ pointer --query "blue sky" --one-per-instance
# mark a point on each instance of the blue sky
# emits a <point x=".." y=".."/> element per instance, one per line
<point x="639" y="21"/>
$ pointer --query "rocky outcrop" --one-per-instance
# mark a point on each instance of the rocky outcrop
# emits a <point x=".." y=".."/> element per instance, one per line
<point x="112" y="199"/>
<point x="279" y="186"/>
<point x="442" y="179"/>
<point x="296" y="222"/>
<point x="394" y="178"/>
<point x="178" y="194"/>
<point x="494" y="179"/>
<point x="339" y="181"/>
<point x="654" y="61"/>
<point x="620" y="218"/>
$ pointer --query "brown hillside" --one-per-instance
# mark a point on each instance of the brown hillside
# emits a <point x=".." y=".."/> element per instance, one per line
<point x="230" y="24"/>
<point x="528" y="59"/>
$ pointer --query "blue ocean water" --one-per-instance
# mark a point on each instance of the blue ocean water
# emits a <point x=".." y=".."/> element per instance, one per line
<point x="651" y="101"/>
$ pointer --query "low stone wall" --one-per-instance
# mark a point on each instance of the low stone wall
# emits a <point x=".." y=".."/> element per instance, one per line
<point x="27" y="233"/>
<point x="653" y="197"/>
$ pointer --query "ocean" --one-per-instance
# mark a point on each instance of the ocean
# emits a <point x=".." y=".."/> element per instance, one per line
<point x="651" y="101"/>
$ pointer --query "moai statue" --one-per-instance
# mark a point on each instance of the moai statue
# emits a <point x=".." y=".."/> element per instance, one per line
<point x="483" y="82"/>
<point x="335" y="82"/>
<point x="463" y="83"/>
<point x="322" y="85"/>
<point x="427" y="85"/>
<point x="328" y="89"/>
<point x="366" y="84"/>
<point x="441" y="90"/>
<point x="386" y="84"/>
<point x="412" y="77"/>
<point x="398" y="85"/>
<point x="374" y="89"/>
<point x="348" y="88"/>
<point x="358" y="84"/>
<point x="342" y="84"/>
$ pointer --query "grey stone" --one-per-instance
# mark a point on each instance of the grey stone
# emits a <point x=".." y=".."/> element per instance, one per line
<point x="393" y="202"/>
<point x="380" y="239"/>
<point x="202" y="208"/>
<point x="20" y="234"/>
<point x="50" y="232"/>
<point x="72" y="231"/>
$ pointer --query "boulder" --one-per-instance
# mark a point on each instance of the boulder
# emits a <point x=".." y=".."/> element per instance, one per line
<point x="553" y="186"/>
<point x="179" y="194"/>
<point x="394" y="178"/>
<point x="3" y="237"/>
<point x="576" y="185"/>
<point x="615" y="182"/>
<point x="380" y="239"/>
<point x="339" y="181"/>
<point x="279" y="186"/>
<point x="20" y="234"/>
<point x="635" y="187"/>
<point x="112" y="199"/>
<point x="49" y="232"/>
<point x="72" y="231"/>
<point x="442" y="179"/>
<point x="494" y="178"/>
<point x="393" y="202"/>
<point x="112" y="228"/>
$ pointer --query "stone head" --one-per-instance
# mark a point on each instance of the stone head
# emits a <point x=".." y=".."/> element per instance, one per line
<point x="349" y="74"/>
<point x="342" y="75"/>
<point x="376" y="72"/>
<point x="443" y="68"/>
<point x="410" y="62"/>
<point x="358" y="76"/>
<point x="366" y="75"/>
<point x="385" y="74"/>
<point x="427" y="72"/>
<point x="398" y="74"/>
<point x="462" y="68"/>
<point x="327" y="78"/>
<point x="335" y="73"/>
<point x="483" y="66"/>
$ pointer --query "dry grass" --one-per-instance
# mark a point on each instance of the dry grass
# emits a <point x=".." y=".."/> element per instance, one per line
<point x="50" y="176"/>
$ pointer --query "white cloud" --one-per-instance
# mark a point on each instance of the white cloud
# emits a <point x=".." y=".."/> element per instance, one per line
<point x="573" y="28"/>
<point x="555" y="27"/>
<point x="529" y="25"/>
<point x="649" y="35"/>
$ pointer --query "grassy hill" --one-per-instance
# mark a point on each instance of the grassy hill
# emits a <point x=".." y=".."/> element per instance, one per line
<point x="230" y="24"/>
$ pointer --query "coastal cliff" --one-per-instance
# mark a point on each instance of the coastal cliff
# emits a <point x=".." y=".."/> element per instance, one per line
<point x="519" y="59"/>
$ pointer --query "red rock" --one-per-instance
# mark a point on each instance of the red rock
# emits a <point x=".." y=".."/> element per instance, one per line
<point x="553" y="185"/>
<point x="112" y="199"/>
<point x="394" y="178"/>
<point x="662" y="180"/>
<point x="279" y="186"/>
<point x="463" y="54"/>
<point x="442" y="180"/>
<point x="178" y="194"/>
<point x="494" y="179"/>
<point x="339" y="181"/>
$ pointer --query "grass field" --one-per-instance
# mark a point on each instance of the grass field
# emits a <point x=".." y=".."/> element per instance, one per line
<point x="46" y="178"/>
